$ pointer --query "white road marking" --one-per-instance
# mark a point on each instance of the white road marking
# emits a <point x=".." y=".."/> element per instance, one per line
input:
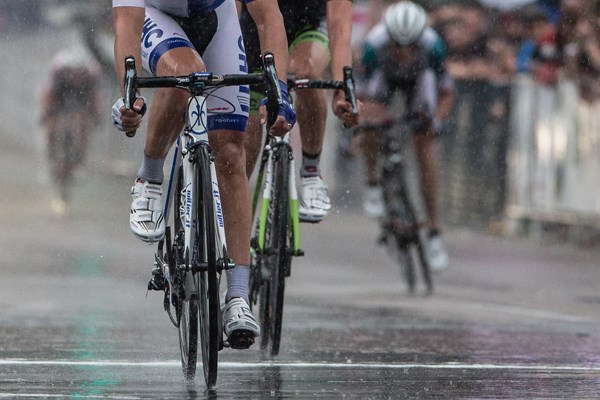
<point x="309" y="365"/>
<point x="62" y="396"/>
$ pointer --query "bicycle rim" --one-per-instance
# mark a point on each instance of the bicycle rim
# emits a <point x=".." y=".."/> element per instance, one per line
<point x="206" y="253"/>
<point x="277" y="246"/>
<point x="186" y="310"/>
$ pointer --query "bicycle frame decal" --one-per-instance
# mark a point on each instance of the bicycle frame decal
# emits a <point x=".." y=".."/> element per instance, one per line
<point x="196" y="118"/>
<point x="266" y="199"/>
<point x="217" y="203"/>
<point x="188" y="206"/>
<point x="293" y="206"/>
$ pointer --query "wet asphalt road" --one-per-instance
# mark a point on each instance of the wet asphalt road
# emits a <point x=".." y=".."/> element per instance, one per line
<point x="511" y="318"/>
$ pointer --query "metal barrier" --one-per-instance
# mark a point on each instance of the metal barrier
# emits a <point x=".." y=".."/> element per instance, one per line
<point x="473" y="155"/>
<point x="554" y="158"/>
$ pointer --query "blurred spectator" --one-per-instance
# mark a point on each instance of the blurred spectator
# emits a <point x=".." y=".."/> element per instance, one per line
<point x="539" y="52"/>
<point x="464" y="28"/>
<point x="578" y="37"/>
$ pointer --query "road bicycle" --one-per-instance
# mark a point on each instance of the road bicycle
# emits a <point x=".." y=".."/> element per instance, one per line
<point x="66" y="152"/>
<point x="276" y="237"/>
<point x="190" y="259"/>
<point x="401" y="228"/>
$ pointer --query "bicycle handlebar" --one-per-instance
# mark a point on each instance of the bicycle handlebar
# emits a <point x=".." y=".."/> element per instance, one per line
<point x="199" y="81"/>
<point x="347" y="85"/>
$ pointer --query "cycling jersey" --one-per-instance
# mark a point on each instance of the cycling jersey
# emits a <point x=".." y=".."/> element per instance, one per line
<point x="71" y="90"/>
<point x="419" y="79"/>
<point x="180" y="8"/>
<point x="432" y="54"/>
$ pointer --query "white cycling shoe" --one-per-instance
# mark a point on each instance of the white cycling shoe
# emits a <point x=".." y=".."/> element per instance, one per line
<point x="437" y="254"/>
<point x="315" y="202"/>
<point x="239" y="324"/>
<point x="146" y="219"/>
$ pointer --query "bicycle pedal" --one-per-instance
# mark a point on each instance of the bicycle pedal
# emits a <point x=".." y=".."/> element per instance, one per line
<point x="156" y="284"/>
<point x="240" y="340"/>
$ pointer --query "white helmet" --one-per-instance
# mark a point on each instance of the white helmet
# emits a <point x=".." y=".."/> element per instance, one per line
<point x="405" y="22"/>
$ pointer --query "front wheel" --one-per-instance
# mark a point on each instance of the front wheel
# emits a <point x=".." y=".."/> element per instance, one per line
<point x="208" y="276"/>
<point x="278" y="257"/>
<point x="186" y="306"/>
<point x="188" y="337"/>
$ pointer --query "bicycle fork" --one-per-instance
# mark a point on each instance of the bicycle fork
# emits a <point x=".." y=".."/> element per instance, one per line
<point x="279" y="148"/>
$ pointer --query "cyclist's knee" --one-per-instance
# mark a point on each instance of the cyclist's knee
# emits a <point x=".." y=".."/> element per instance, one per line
<point x="230" y="153"/>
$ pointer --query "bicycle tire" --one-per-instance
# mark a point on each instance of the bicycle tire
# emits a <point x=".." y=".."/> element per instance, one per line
<point x="406" y="261"/>
<point x="404" y="223"/>
<point x="186" y="310"/>
<point x="425" y="267"/>
<point x="276" y="244"/>
<point x="206" y="253"/>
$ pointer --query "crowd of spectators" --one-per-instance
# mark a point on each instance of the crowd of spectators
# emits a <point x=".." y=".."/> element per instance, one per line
<point x="487" y="40"/>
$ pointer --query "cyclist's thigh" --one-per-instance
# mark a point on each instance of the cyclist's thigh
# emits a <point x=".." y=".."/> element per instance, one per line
<point x="424" y="96"/>
<point x="161" y="34"/>
<point x="228" y="107"/>
<point x="252" y="47"/>
<point x="309" y="53"/>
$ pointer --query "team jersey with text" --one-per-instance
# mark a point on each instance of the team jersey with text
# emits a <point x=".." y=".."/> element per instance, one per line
<point x="180" y="8"/>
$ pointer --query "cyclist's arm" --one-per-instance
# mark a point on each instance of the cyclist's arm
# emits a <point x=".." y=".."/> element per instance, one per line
<point x="271" y="31"/>
<point x="445" y="103"/>
<point x="128" y="21"/>
<point x="339" y="27"/>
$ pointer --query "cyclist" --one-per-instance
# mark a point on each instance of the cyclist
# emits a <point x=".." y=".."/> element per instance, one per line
<point x="402" y="54"/>
<point x="178" y="38"/>
<point x="71" y="92"/>
<point x="307" y="24"/>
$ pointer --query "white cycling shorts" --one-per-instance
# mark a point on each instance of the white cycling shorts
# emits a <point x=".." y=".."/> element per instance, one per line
<point x="228" y="106"/>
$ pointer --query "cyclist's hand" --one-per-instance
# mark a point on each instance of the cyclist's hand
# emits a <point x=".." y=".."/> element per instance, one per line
<point x="286" y="117"/>
<point x="128" y="120"/>
<point x="343" y="109"/>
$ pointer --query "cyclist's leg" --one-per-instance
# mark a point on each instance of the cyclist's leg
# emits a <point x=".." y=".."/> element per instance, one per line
<point x="376" y="94"/>
<point x="225" y="55"/>
<point x="165" y="121"/>
<point x="254" y="131"/>
<point x="424" y="102"/>
<point x="309" y="58"/>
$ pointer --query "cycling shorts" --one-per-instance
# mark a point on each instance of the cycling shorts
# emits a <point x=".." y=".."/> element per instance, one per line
<point x="218" y="39"/>
<point x="300" y="27"/>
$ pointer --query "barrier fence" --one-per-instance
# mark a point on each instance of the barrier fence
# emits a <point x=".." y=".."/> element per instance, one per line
<point x="555" y="154"/>
<point x="524" y="151"/>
